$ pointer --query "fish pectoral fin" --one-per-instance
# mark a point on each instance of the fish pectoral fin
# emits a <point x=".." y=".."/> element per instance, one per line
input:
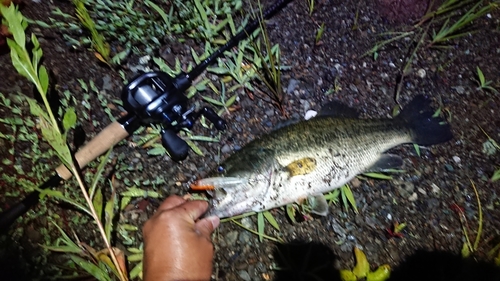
<point x="217" y="183"/>
<point x="318" y="204"/>
<point x="302" y="166"/>
<point x="386" y="162"/>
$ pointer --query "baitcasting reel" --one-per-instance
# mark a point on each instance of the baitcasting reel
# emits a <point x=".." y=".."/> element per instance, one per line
<point x="157" y="98"/>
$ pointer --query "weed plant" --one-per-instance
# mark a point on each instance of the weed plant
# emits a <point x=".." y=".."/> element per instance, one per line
<point x="437" y="29"/>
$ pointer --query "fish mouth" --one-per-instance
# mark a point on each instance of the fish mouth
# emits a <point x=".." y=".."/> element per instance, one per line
<point x="230" y="196"/>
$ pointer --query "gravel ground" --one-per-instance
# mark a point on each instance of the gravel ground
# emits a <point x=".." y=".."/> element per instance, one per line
<point x="422" y="197"/>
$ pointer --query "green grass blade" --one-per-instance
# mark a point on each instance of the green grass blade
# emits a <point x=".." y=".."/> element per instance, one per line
<point x="347" y="194"/>
<point x="270" y="218"/>
<point x="91" y="268"/>
<point x="260" y="225"/>
<point x="378" y="176"/>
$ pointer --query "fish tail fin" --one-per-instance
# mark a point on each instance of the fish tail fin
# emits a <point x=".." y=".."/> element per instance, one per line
<point x="427" y="129"/>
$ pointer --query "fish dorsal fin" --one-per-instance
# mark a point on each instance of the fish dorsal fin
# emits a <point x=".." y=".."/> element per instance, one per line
<point x="338" y="109"/>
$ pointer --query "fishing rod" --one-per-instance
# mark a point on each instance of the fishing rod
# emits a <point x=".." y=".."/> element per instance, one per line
<point x="151" y="98"/>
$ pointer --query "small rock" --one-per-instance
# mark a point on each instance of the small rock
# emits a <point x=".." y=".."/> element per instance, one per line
<point x="310" y="114"/>
<point x="413" y="197"/>
<point x="456" y="159"/>
<point x="435" y="188"/>
<point x="225" y="149"/>
<point x="269" y="112"/>
<point x="231" y="237"/>
<point x="292" y="84"/>
<point x="449" y="167"/>
<point x="339" y="230"/>
<point x="106" y="83"/>
<point x="244" y="237"/>
<point x="421" y="73"/>
<point x="244" y="275"/>
<point x="460" y="89"/>
<point x="247" y="222"/>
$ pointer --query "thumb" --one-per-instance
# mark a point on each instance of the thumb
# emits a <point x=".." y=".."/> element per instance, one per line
<point x="207" y="225"/>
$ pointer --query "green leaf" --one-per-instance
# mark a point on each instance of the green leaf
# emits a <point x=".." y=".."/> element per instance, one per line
<point x="290" y="211"/>
<point x="218" y="70"/>
<point x="136" y="271"/>
<point x="69" y="119"/>
<point x="203" y="138"/>
<point x="269" y="217"/>
<point x="59" y="196"/>
<point x="17" y="55"/>
<point x="37" y="51"/>
<point x="194" y="147"/>
<point x="136" y="192"/>
<point x="495" y="176"/>
<point x="230" y="101"/>
<point x="124" y="202"/>
<point x="135" y="257"/>
<point x="347" y="194"/>
<point x="14" y="20"/>
<point x="97" y="201"/>
<point x="63" y="249"/>
<point x="159" y="150"/>
<point x="36" y="110"/>
<point x="91" y="268"/>
<point x="72" y="247"/>
<point x="159" y="11"/>
<point x="417" y="149"/>
<point x="378" y="176"/>
<point x="212" y="101"/>
<point x="109" y="214"/>
<point x="260" y="225"/>
<point x="480" y="75"/>
<point x="44" y="79"/>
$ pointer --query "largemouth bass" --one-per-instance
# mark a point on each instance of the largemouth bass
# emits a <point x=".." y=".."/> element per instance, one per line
<point x="313" y="157"/>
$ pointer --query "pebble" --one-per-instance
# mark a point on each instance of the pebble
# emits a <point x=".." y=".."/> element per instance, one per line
<point x="421" y="73"/>
<point x="244" y="237"/>
<point x="456" y="159"/>
<point x="247" y="222"/>
<point x="460" y="89"/>
<point x="244" y="275"/>
<point x="310" y="114"/>
<point x="231" y="237"/>
<point x="406" y="189"/>
<point x="413" y="197"/>
<point x="292" y="84"/>
<point x="106" y="83"/>
<point x="449" y="167"/>
<point x="225" y="149"/>
<point x="435" y="188"/>
<point x="339" y="230"/>
<point x="269" y="112"/>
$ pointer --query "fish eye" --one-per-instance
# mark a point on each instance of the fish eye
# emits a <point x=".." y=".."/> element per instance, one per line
<point x="220" y="169"/>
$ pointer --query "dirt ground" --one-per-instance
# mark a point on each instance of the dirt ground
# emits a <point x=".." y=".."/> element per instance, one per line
<point x="424" y="197"/>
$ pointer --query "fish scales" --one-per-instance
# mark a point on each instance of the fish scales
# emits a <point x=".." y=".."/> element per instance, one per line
<point x="313" y="157"/>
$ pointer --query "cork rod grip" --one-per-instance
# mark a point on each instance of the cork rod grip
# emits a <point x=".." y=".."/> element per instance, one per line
<point x="108" y="137"/>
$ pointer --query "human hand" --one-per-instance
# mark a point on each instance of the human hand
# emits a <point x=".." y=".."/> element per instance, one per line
<point x="177" y="244"/>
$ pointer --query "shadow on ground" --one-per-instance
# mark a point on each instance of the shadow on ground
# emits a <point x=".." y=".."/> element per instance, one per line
<point x="300" y="261"/>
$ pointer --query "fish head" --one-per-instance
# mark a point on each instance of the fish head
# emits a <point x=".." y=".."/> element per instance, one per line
<point x="230" y="196"/>
<point x="242" y="182"/>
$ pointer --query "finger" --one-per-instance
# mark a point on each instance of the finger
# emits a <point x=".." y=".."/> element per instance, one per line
<point x="170" y="203"/>
<point x="195" y="208"/>
<point x="207" y="225"/>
